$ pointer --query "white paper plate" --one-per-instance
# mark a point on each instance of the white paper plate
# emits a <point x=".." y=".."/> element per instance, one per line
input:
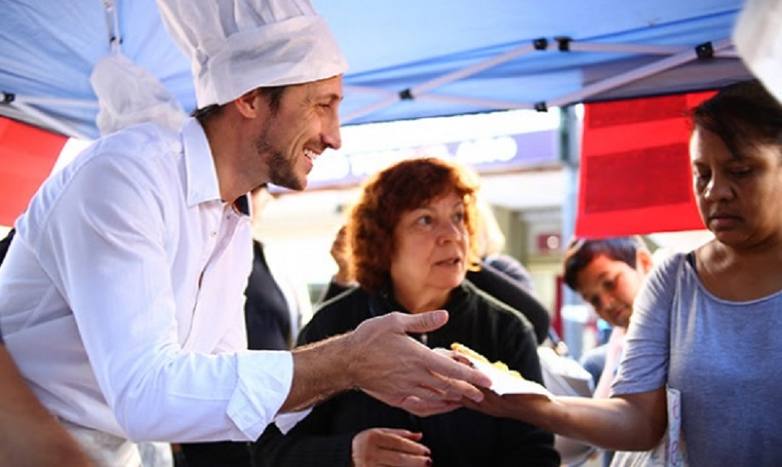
<point x="503" y="382"/>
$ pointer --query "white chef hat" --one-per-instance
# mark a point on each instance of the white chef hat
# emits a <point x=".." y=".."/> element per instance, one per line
<point x="238" y="45"/>
<point x="128" y="94"/>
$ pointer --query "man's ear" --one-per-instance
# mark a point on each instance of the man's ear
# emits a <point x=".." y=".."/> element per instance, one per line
<point x="250" y="104"/>
<point x="643" y="261"/>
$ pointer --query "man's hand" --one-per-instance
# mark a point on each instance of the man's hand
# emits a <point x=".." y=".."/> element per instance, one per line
<point x="389" y="446"/>
<point x="382" y="360"/>
<point x="392" y="367"/>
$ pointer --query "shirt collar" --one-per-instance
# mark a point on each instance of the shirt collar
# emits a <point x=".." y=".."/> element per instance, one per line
<point x="202" y="185"/>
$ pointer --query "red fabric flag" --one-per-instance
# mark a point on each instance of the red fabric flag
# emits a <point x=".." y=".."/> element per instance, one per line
<point x="27" y="155"/>
<point x="635" y="173"/>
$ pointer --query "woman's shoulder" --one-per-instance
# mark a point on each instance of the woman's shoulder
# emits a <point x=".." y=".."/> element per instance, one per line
<point x="337" y="315"/>
<point x="670" y="275"/>
<point x="674" y="260"/>
<point x="493" y="309"/>
<point x="342" y="299"/>
<point x="669" y="269"/>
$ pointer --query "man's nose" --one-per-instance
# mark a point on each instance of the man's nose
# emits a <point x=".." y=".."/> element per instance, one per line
<point x="331" y="136"/>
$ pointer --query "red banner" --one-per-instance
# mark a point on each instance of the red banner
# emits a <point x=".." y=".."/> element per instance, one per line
<point x="635" y="173"/>
<point x="27" y="155"/>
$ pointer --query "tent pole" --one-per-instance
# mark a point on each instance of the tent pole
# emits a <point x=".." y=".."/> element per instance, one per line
<point x="571" y="127"/>
<point x="423" y="88"/>
<point x="382" y="104"/>
<point x="472" y="70"/>
<point x="51" y="122"/>
<point x="677" y="55"/>
<point x="728" y="53"/>
<point x="485" y="103"/>
<point x="55" y="101"/>
<point x="633" y="75"/>
<point x="576" y="46"/>
<point x="112" y="23"/>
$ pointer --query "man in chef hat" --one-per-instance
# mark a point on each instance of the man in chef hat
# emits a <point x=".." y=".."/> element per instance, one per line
<point x="121" y="297"/>
<point x="272" y="72"/>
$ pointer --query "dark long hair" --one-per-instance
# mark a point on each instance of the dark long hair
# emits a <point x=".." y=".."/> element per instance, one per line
<point x="743" y="115"/>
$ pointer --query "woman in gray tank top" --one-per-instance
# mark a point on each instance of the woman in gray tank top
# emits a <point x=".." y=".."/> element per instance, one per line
<point x="706" y="324"/>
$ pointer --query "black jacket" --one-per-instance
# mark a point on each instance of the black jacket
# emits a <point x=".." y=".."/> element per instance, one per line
<point x="459" y="438"/>
<point x="500" y="286"/>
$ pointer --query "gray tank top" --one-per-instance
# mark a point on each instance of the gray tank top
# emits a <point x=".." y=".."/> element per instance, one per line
<point x="725" y="357"/>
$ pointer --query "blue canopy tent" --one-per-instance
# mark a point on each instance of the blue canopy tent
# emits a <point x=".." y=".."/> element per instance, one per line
<point x="408" y="59"/>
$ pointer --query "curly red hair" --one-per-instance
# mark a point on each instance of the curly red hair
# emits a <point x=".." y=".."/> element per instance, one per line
<point x="404" y="186"/>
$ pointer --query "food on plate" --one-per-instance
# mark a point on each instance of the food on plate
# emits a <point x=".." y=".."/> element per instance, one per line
<point x="468" y="352"/>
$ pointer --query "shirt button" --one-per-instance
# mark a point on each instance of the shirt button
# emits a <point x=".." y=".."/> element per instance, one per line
<point x="214" y="234"/>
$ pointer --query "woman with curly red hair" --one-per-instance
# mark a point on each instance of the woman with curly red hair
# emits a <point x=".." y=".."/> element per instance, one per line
<point x="411" y="237"/>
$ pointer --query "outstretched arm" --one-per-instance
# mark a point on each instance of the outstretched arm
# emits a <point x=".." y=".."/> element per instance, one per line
<point x="630" y="422"/>
<point x="383" y="361"/>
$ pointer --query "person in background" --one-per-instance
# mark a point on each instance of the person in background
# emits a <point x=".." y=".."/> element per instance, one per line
<point x="491" y="242"/>
<point x="504" y="277"/>
<point x="608" y="274"/>
<point x="131" y="262"/>
<point x="411" y="237"/>
<point x="706" y="322"/>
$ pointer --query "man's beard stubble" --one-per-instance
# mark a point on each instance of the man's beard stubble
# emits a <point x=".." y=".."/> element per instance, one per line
<point x="281" y="172"/>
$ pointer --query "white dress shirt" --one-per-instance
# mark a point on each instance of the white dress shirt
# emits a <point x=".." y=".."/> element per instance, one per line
<point x="121" y="298"/>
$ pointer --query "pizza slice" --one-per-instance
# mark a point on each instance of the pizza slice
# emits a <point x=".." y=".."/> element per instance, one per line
<point x="468" y="352"/>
